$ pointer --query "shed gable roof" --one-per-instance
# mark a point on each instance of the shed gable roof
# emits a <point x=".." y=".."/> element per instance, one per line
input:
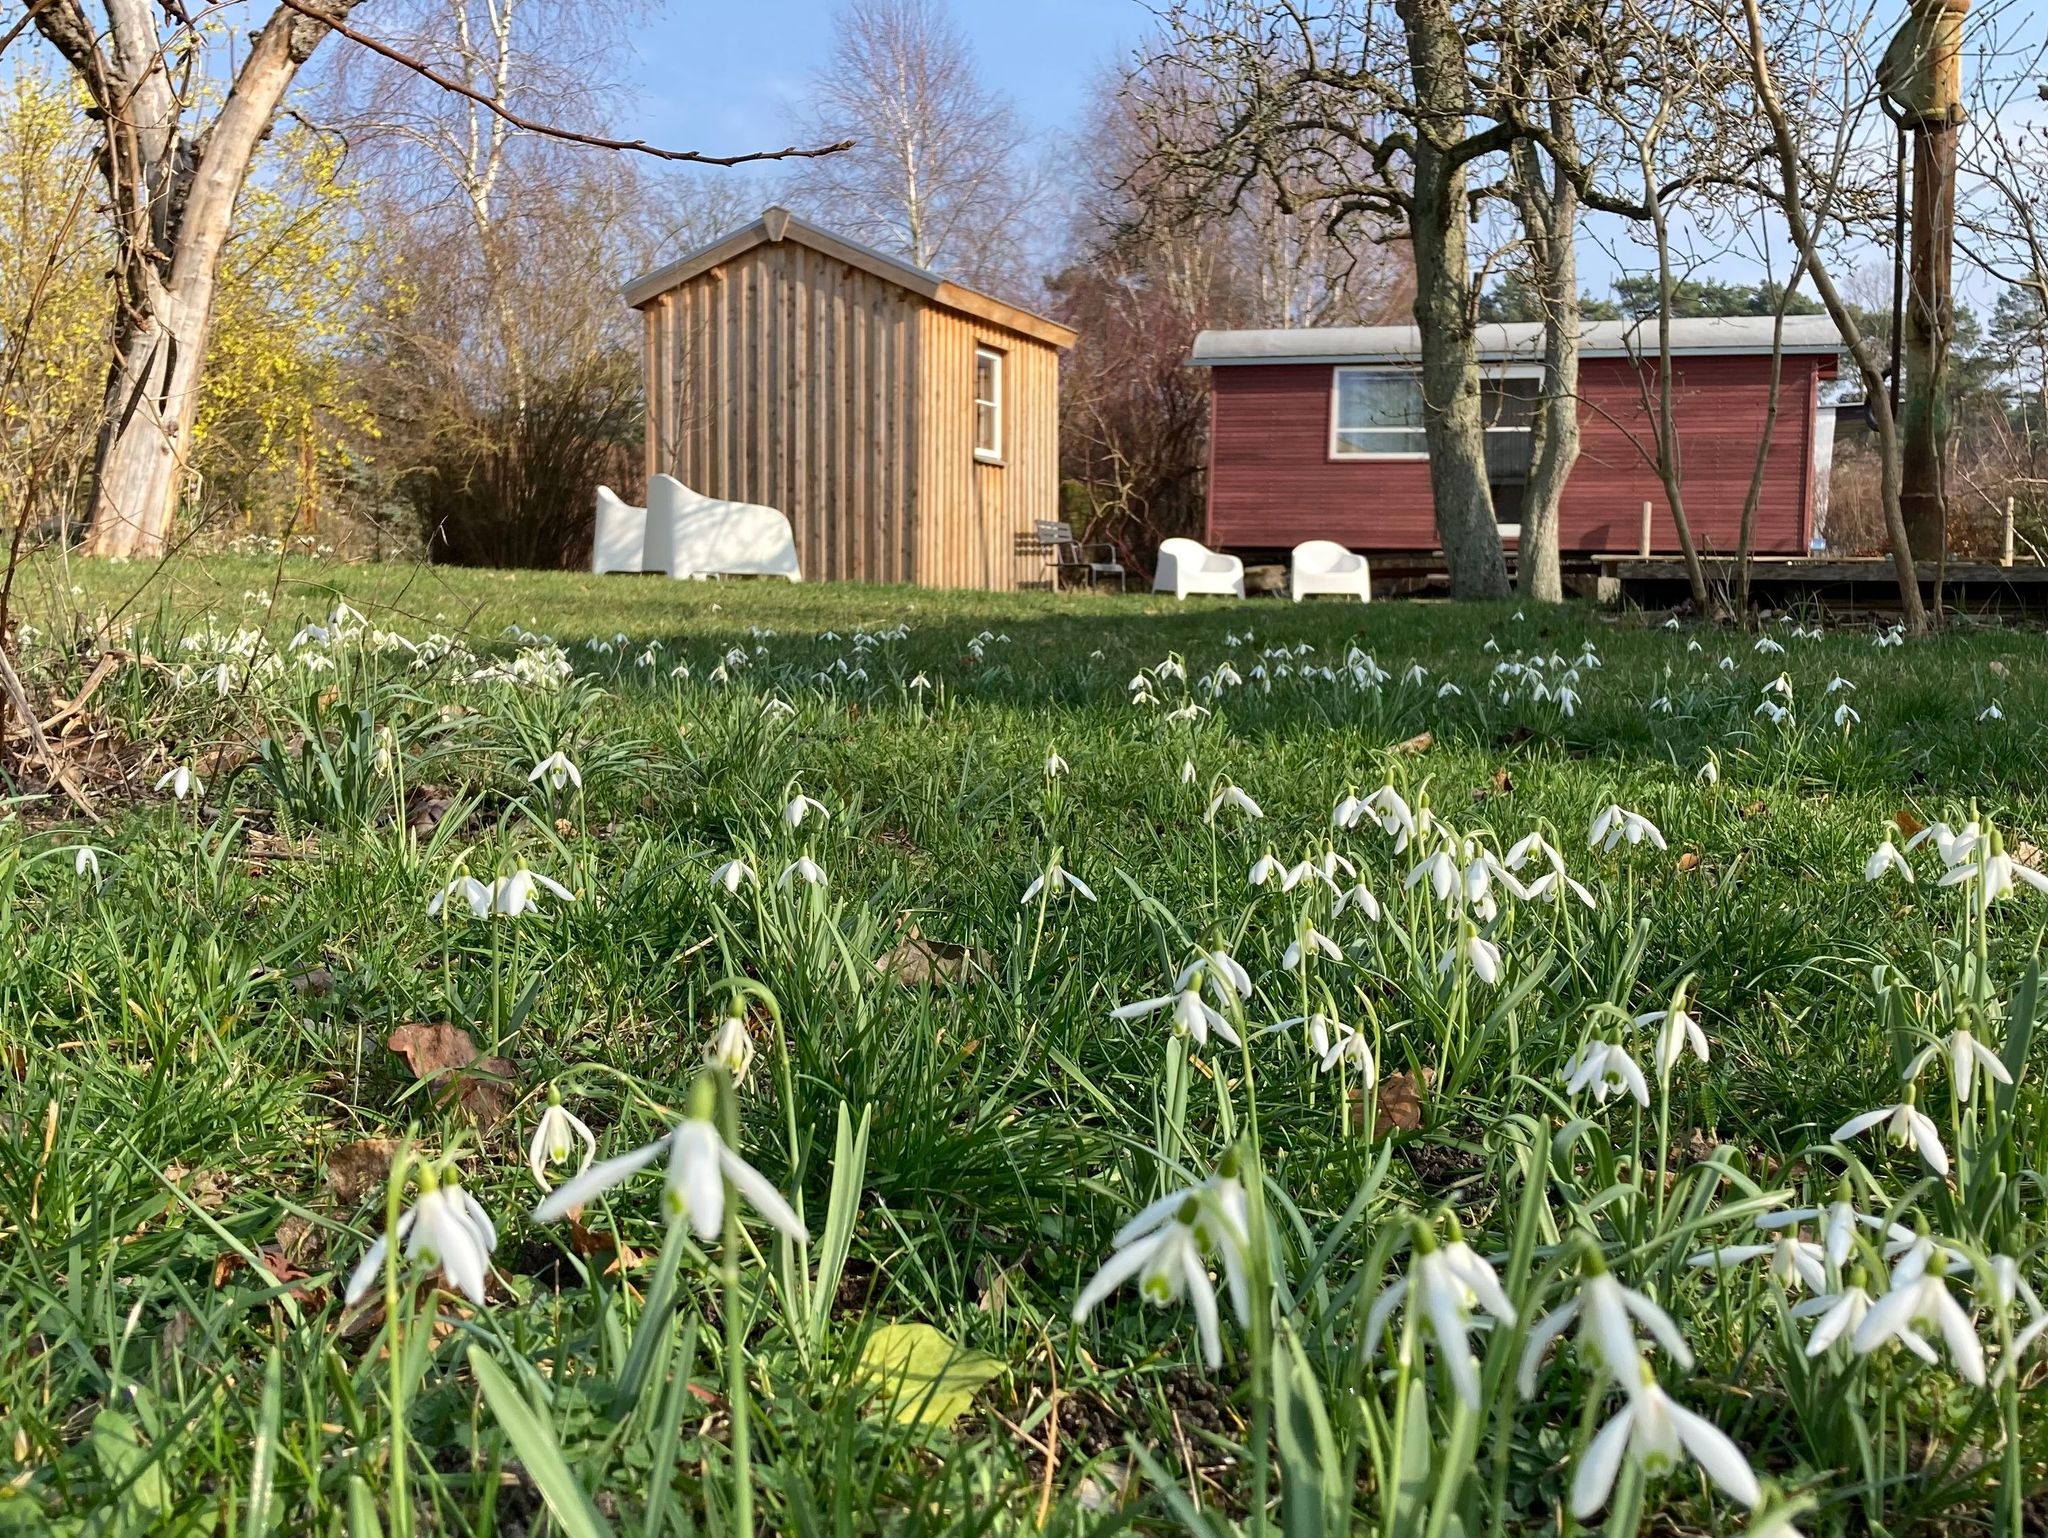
<point x="1517" y="341"/>
<point x="779" y="224"/>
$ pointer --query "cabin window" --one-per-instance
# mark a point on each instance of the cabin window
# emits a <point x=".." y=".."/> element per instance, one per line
<point x="988" y="405"/>
<point x="1376" y="413"/>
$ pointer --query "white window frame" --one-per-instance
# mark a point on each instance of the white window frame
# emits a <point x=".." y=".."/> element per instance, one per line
<point x="1356" y="456"/>
<point x="992" y="455"/>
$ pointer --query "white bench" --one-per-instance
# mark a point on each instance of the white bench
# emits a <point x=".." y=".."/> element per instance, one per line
<point x="690" y="535"/>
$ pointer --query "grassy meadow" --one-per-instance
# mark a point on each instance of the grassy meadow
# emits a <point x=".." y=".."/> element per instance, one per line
<point x="925" y="926"/>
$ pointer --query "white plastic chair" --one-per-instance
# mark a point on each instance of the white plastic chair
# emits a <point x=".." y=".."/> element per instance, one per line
<point x="690" y="535"/>
<point x="1189" y="566"/>
<point x="1324" y="566"/>
<point x="619" y="538"/>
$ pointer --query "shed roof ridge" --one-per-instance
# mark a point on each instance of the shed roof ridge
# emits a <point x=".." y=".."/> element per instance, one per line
<point x="1510" y="340"/>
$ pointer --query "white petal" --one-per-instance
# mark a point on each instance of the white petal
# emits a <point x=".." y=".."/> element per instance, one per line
<point x="599" y="1178"/>
<point x="1600" y="1462"/>
<point x="1715" y="1452"/>
<point x="760" y="1195"/>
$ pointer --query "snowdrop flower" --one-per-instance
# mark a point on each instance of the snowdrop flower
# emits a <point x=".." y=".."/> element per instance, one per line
<point x="1905" y="1126"/>
<point x="1709" y="772"/>
<point x="1886" y="857"/>
<point x="181" y="782"/>
<point x="699" y="1166"/>
<point x="799" y="808"/>
<point x="802" y="868"/>
<point x="1954" y="845"/>
<point x="513" y="895"/>
<point x="1394" y="816"/>
<point x="1441" y="870"/>
<point x="732" y="1048"/>
<point x="1840" y="1314"/>
<point x="1167" y="1261"/>
<point x="1236" y="799"/>
<point x="1966" y="1055"/>
<point x="86" y="862"/>
<point x="1482" y="956"/>
<point x="1055" y="766"/>
<point x="1921" y="1302"/>
<point x="1606" y="1314"/>
<point x="557" y="771"/>
<point x="1837" y="683"/>
<point x="1990" y="712"/>
<point x="1346" y="1046"/>
<point x="1838" y="1222"/>
<point x="1765" y="644"/>
<point x="446" y="1229"/>
<point x="1726" y="664"/>
<point x="1552" y="884"/>
<point x="1443" y="1285"/>
<point x="1264" y="869"/>
<point x="1220" y="970"/>
<point x="920" y="683"/>
<point x="1447" y="691"/>
<point x="1055" y="879"/>
<point x="732" y="873"/>
<point x="1533" y="846"/>
<point x="1777" y="714"/>
<point x="1657" y="1433"/>
<point x="1567" y="700"/>
<point x="1349" y="812"/>
<point x="1795" y="1262"/>
<point x="470" y="890"/>
<point x="1605" y="1068"/>
<point x="1310" y="940"/>
<point x="1192" y="1015"/>
<point x="1187" y="771"/>
<point x="1616" y="825"/>
<point x="1845" y="715"/>
<point x="2000" y="873"/>
<point x="555" y="1139"/>
<point x="1676" y="1030"/>
<point x="1359" y="897"/>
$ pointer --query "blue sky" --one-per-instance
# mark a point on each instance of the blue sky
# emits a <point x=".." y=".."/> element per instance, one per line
<point x="720" y="77"/>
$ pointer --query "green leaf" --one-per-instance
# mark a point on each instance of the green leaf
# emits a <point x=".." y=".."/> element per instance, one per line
<point x="926" y="1379"/>
<point x="534" y="1441"/>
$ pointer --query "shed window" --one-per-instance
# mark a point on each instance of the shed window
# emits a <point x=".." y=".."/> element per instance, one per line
<point x="1376" y="413"/>
<point x="988" y="404"/>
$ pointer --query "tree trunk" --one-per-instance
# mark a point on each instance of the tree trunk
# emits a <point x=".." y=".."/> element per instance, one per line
<point x="1453" y="427"/>
<point x="173" y="197"/>
<point x="1550" y="217"/>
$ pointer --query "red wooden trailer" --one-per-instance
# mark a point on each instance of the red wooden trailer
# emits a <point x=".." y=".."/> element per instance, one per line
<point x="1317" y="434"/>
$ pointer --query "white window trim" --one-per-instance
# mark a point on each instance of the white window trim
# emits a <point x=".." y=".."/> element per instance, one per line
<point x="990" y="456"/>
<point x="1357" y="456"/>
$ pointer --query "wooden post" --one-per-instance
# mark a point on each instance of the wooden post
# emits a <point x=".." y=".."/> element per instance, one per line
<point x="1646" y="530"/>
<point x="2005" y="559"/>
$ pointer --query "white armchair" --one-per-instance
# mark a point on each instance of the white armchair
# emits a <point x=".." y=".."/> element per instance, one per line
<point x="1189" y="566"/>
<point x="620" y="535"/>
<point x="689" y="535"/>
<point x="1323" y="566"/>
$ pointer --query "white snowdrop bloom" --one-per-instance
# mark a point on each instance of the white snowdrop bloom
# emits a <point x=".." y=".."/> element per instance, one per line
<point x="555" y="1139"/>
<point x="1265" y="869"/>
<point x="1726" y="664"/>
<point x="1693" y="645"/>
<point x="1329" y="863"/>
<point x="1416" y="674"/>
<point x="777" y="710"/>
<point x="1443" y="1285"/>
<point x="1838" y="1222"/>
<point x="1567" y="699"/>
<point x="514" y="895"/>
<point x="699" y="1166"/>
<point x="1966" y="1057"/>
<point x="1395" y="817"/>
<point x="1447" y="691"/>
<point x="1440" y="869"/>
<point x="1237" y="800"/>
<point x="1189" y="712"/>
<point x="445" y="1229"/>
<point x="1840" y="1315"/>
<point x="1607" y="1314"/>
<point x="1885" y="858"/>
<point x="1348" y="1047"/>
<point x="732" y="1048"/>
<point x="1187" y="771"/>
<point x="1906" y="1126"/>
<point x="2000" y="873"/>
<point x="1491" y="645"/>
<point x="733" y="873"/>
<point x="803" y="868"/>
<point x="1552" y="885"/>
<point x="1676" y="1031"/>
<point x="1220" y="970"/>
<point x="1605" y="1068"/>
<point x="1300" y="871"/>
<point x="1838" y="683"/>
<point x="1192" y="1015"/>
<point x="1533" y="846"/>
<point x="1916" y="1305"/>
<point x="1167" y="1260"/>
<point x="557" y="771"/>
<point x="1990" y="712"/>
<point x="1311" y="940"/>
<point x="1055" y="879"/>
<point x="1481" y="955"/>
<point x="1845" y="715"/>
<point x="1766" y="645"/>
<point x="1709" y="773"/>
<point x="1055" y="766"/>
<point x="181" y="782"/>
<point x="1661" y="705"/>
<point x="1795" y="1262"/>
<point x="1772" y="711"/>
<point x="86" y="862"/>
<point x="1615" y="825"/>
<point x="1359" y="897"/>
<point x="799" y="808"/>
<point x="1911" y="1251"/>
<point x="1657" y="1434"/>
<point x="472" y="892"/>
<point x="1954" y="845"/>
<point x="920" y="683"/>
<point x="1782" y="684"/>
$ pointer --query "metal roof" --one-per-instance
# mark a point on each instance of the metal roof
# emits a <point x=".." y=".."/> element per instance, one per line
<point x="1517" y="341"/>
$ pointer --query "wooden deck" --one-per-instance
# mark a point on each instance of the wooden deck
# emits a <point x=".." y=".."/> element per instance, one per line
<point x="1838" y="581"/>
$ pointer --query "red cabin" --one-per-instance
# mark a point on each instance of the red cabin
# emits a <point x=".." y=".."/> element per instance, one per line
<point x="1317" y="434"/>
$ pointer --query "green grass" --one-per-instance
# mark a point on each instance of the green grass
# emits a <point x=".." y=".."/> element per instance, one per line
<point x="194" y="1059"/>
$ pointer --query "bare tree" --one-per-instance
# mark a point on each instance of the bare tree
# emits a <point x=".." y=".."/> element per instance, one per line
<point x="937" y="173"/>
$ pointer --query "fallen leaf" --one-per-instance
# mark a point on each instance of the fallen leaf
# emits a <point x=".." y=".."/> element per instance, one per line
<point x="1755" y="809"/>
<point x="2001" y="669"/>
<point x="2028" y="855"/>
<point x="1690" y="860"/>
<point x="1419" y="743"/>
<point x="915" y="960"/>
<point x="356" y="1169"/>
<point x="1907" y="823"/>
<point x="482" y="1086"/>
<point x="1399" y="1105"/>
<point x="921" y="1376"/>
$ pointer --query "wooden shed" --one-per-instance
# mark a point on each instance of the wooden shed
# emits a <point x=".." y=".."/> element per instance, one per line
<point x="909" y="427"/>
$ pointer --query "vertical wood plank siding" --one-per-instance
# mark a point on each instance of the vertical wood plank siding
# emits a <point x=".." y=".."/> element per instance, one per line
<point x="1272" y="482"/>
<point x="788" y="377"/>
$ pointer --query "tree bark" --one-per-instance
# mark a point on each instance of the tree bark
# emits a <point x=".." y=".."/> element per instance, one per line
<point x="1550" y="216"/>
<point x="173" y="197"/>
<point x="1453" y="427"/>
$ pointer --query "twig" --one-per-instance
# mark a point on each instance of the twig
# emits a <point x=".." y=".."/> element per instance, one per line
<point x="569" y="135"/>
<point x="104" y="669"/>
<point x="60" y="772"/>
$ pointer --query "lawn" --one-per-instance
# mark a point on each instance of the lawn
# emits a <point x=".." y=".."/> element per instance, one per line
<point x="941" y="931"/>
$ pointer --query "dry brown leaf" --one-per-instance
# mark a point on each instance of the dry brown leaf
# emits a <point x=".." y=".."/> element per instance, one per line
<point x="1419" y="743"/>
<point x="1399" y="1105"/>
<point x="356" y="1169"/>
<point x="914" y="960"/>
<point x="2028" y="855"/>
<point x="1907" y="823"/>
<point x="1690" y="860"/>
<point x="1755" y="809"/>
<point x="482" y="1086"/>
